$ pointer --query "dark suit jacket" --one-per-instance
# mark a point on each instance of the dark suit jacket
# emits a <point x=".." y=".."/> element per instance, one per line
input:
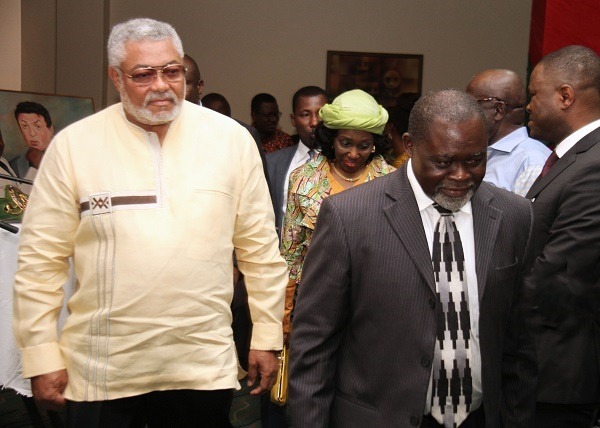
<point x="565" y="277"/>
<point x="364" y="328"/>
<point x="278" y="163"/>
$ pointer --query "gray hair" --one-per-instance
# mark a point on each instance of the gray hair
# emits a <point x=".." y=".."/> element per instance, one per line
<point x="575" y="65"/>
<point x="136" y="30"/>
<point x="448" y="106"/>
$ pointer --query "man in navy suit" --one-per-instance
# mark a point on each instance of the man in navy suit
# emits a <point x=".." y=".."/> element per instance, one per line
<point x="306" y="103"/>
<point x="364" y="349"/>
<point x="565" y="277"/>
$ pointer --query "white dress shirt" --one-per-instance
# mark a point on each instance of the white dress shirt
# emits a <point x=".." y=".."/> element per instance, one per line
<point x="566" y="144"/>
<point x="300" y="158"/>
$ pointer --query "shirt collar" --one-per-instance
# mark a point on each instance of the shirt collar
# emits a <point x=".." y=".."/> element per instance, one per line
<point x="565" y="145"/>
<point x="302" y="149"/>
<point x="424" y="201"/>
<point x="510" y="141"/>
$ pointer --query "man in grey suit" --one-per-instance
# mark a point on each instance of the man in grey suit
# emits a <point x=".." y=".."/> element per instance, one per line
<point x="565" y="277"/>
<point x="306" y="103"/>
<point x="372" y="321"/>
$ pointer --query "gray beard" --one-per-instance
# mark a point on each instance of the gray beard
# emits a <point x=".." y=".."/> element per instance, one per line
<point x="145" y="115"/>
<point x="452" y="204"/>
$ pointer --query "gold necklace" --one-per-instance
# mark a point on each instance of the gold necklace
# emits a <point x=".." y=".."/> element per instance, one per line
<point x="343" y="177"/>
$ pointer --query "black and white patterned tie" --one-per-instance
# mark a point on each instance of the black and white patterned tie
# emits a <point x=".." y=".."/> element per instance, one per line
<point x="452" y="388"/>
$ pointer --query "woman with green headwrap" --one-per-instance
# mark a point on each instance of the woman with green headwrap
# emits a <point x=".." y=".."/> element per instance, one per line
<point x="351" y="141"/>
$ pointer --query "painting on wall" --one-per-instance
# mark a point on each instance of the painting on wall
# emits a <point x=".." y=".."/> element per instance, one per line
<point x="388" y="77"/>
<point x="28" y="121"/>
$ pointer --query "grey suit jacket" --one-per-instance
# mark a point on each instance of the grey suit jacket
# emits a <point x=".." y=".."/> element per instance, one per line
<point x="365" y="320"/>
<point x="565" y="277"/>
<point x="278" y="163"/>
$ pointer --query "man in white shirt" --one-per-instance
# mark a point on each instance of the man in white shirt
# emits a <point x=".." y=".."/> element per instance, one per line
<point x="374" y="324"/>
<point x="514" y="160"/>
<point x="565" y="277"/>
<point x="306" y="103"/>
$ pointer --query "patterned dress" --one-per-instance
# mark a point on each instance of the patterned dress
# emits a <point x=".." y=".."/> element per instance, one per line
<point x="309" y="184"/>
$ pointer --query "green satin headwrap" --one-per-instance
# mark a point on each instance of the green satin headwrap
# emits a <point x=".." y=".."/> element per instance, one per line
<point x="354" y="110"/>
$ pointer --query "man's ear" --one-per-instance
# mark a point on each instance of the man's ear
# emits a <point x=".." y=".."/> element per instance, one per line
<point x="499" y="111"/>
<point x="408" y="144"/>
<point x="115" y="77"/>
<point x="567" y="96"/>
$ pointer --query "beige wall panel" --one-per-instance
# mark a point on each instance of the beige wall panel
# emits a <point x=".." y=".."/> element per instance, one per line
<point x="38" y="46"/>
<point x="246" y="47"/>
<point x="10" y="48"/>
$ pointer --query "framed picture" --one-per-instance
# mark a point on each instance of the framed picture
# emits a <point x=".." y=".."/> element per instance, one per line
<point x="32" y="130"/>
<point x="385" y="76"/>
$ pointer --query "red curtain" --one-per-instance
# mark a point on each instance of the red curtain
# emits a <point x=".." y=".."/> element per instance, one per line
<point x="559" y="23"/>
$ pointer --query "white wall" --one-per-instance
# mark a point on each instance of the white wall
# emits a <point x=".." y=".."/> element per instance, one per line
<point x="10" y="48"/>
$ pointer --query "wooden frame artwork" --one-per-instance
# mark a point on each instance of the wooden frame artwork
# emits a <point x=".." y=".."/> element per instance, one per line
<point x="385" y="76"/>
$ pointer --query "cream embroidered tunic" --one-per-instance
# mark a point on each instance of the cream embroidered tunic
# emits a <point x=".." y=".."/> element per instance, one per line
<point x="151" y="231"/>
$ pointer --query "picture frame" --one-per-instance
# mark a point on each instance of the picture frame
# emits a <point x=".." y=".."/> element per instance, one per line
<point x="64" y="110"/>
<point x="385" y="76"/>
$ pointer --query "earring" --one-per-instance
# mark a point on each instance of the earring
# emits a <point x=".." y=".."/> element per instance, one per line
<point x="373" y="149"/>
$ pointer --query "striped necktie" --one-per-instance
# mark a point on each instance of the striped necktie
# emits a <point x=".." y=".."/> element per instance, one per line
<point x="452" y="388"/>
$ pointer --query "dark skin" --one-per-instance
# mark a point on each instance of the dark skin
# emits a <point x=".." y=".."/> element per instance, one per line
<point x="266" y="119"/>
<point x="559" y="105"/>
<point x="503" y="117"/>
<point x="452" y="159"/>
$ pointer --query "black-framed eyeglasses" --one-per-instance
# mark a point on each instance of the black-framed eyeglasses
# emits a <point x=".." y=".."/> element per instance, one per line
<point x="144" y="76"/>
<point x="494" y="99"/>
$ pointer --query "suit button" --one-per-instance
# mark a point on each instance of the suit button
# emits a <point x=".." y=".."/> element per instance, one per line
<point x="414" y="421"/>
<point x="425" y="362"/>
<point x="432" y="303"/>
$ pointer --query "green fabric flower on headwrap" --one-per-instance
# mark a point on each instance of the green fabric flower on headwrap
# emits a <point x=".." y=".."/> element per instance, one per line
<point x="354" y="110"/>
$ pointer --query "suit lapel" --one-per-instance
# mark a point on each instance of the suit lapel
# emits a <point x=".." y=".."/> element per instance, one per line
<point x="486" y="224"/>
<point x="560" y="165"/>
<point x="404" y="217"/>
<point x="581" y="146"/>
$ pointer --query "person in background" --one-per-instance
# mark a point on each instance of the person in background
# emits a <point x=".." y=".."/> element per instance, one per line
<point x="350" y="139"/>
<point x="193" y="80"/>
<point x="217" y="102"/>
<point x="150" y="209"/>
<point x="514" y="159"/>
<point x="265" y="117"/>
<point x="396" y="127"/>
<point x="565" y="276"/>
<point x="306" y="103"/>
<point x="390" y="330"/>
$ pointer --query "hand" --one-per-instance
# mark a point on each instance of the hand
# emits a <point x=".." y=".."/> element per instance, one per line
<point x="48" y="389"/>
<point x="34" y="157"/>
<point x="265" y="364"/>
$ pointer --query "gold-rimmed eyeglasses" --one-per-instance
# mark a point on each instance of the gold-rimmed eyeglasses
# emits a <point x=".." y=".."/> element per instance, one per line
<point x="494" y="99"/>
<point x="144" y="76"/>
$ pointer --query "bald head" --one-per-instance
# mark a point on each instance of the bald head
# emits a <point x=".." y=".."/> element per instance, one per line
<point x="501" y="95"/>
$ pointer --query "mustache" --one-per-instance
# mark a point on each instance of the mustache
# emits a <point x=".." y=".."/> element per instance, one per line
<point x="467" y="186"/>
<point x="167" y="95"/>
